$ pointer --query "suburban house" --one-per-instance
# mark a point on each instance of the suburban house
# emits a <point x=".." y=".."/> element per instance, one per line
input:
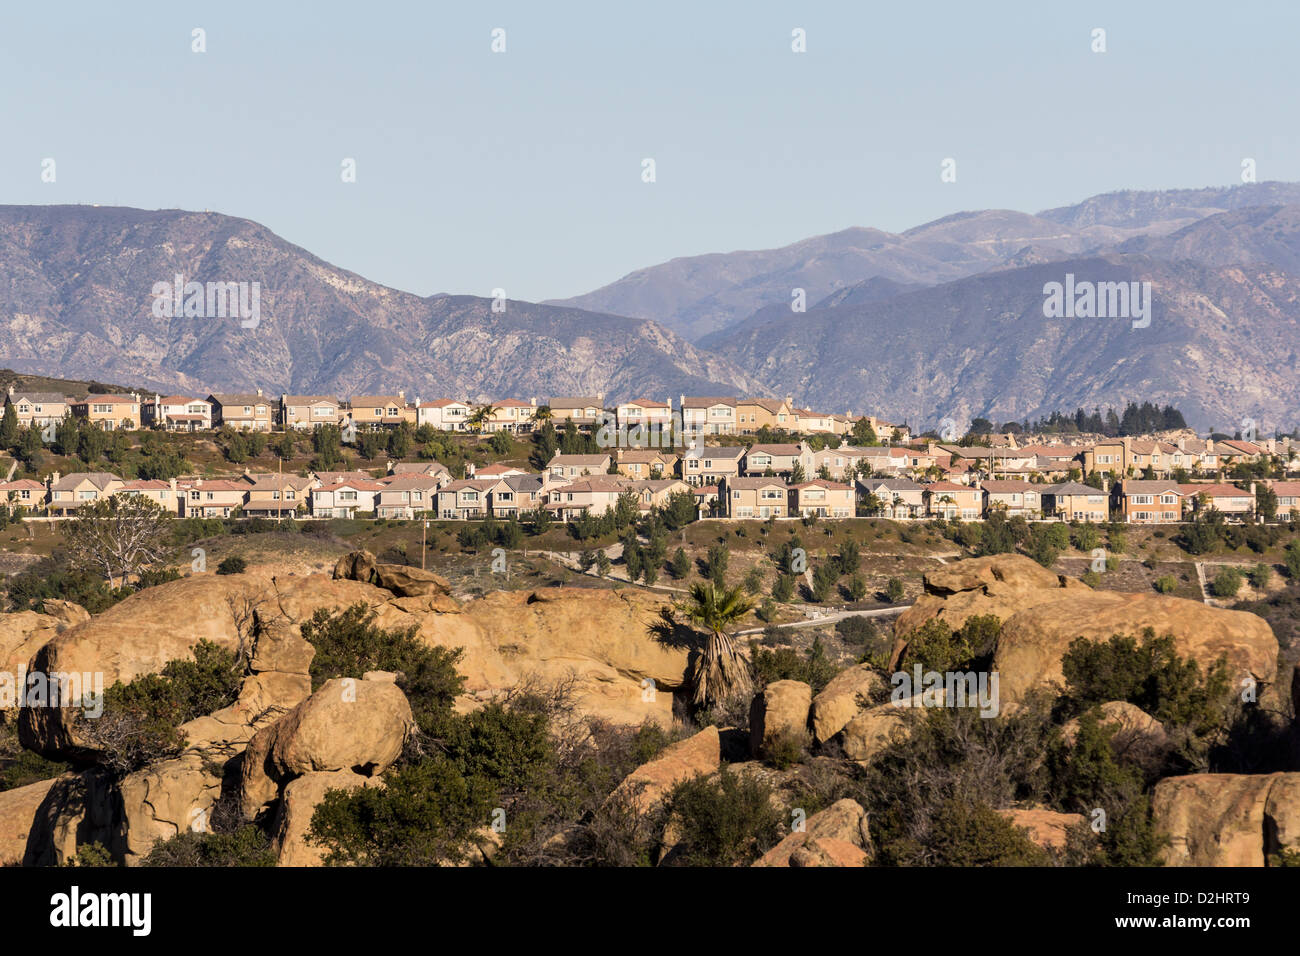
<point x="309" y="411"/>
<point x="467" y="498"/>
<point x="641" y="463"/>
<point x="575" y="466"/>
<point x="644" y="411"/>
<point x="70" y="492"/>
<point x="752" y="414"/>
<point x="334" y="477"/>
<point x="704" y="415"/>
<point x="1228" y="500"/>
<point x="211" y="498"/>
<point x="825" y="499"/>
<point x="595" y="495"/>
<point x="445" y="414"/>
<point x="1015" y="497"/>
<point x="1288" y="496"/>
<point x="706" y="500"/>
<point x="276" y="496"/>
<point x="109" y="412"/>
<point x="25" y="491"/>
<point x="161" y="493"/>
<point x="408" y="496"/>
<point x="345" y="499"/>
<point x="38" y="408"/>
<point x="243" y="411"/>
<point x="1073" y="501"/>
<point x="761" y="459"/>
<point x="177" y="413"/>
<point x="947" y="499"/>
<point x="897" y="497"/>
<point x="709" y="465"/>
<point x="511" y="415"/>
<point x="492" y="471"/>
<point x="806" y="420"/>
<point x="517" y="494"/>
<point x="381" y="411"/>
<point x="841" y="463"/>
<point x="583" y="410"/>
<point x="655" y="492"/>
<point x="754" y="497"/>
<point x="1155" y="501"/>
<point x="427" y="469"/>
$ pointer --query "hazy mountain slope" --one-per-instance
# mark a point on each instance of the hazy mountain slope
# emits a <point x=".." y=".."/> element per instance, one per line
<point x="76" y="297"/>
<point x="699" y="295"/>
<point x="1222" y="344"/>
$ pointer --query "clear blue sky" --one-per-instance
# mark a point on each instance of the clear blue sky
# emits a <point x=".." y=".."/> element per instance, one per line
<point x="522" y="170"/>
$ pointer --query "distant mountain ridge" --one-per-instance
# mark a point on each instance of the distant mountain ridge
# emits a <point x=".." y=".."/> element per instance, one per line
<point x="696" y="296"/>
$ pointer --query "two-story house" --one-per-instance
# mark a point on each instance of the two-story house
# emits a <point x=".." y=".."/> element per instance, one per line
<point x="242" y="411"/>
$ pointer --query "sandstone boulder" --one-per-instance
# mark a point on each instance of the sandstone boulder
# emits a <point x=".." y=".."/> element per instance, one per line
<point x="1000" y="584"/>
<point x="836" y="836"/>
<point x="1221" y="819"/>
<point x="648" y="784"/>
<point x="298" y="803"/>
<point x="18" y="813"/>
<point x="1047" y="828"/>
<point x="840" y="701"/>
<point x="876" y="728"/>
<point x="347" y="724"/>
<point x="1131" y="723"/>
<point x="1033" y="641"/>
<point x="779" y="710"/>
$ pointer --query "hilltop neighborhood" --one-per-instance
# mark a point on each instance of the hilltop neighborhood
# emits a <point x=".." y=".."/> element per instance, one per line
<point x="704" y="453"/>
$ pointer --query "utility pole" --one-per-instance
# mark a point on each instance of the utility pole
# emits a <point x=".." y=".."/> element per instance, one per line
<point x="424" y="536"/>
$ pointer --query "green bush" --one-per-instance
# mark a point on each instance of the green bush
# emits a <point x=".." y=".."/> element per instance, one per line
<point x="232" y="565"/>
<point x="894" y="591"/>
<point x="348" y="643"/>
<point x="246" y="846"/>
<point x="1166" y="584"/>
<point x="727" y="821"/>
<point x="1226" y="583"/>
<point x="141" y="720"/>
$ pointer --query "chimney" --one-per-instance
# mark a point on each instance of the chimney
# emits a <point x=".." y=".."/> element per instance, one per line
<point x="54" y="478"/>
<point x="259" y="393"/>
<point x="401" y="394"/>
<point x="789" y="399"/>
<point x="11" y="388"/>
<point x="533" y="401"/>
<point x="198" y="482"/>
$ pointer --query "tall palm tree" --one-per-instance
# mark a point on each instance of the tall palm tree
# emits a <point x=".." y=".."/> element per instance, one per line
<point x="482" y="415"/>
<point x="722" y="672"/>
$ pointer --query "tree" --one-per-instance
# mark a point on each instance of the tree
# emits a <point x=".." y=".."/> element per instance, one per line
<point x="66" y="435"/>
<point x="722" y="672"/>
<point x="9" y="426"/>
<point x="118" y="536"/>
<point x="681" y="566"/>
<point x="1266" y="503"/>
<point x="863" y="433"/>
<point x="327" y="443"/>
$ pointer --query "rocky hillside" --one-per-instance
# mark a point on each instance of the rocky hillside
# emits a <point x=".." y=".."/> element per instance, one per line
<point x="78" y="295"/>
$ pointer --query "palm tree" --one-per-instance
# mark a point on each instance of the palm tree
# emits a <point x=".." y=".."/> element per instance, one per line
<point x="722" y="671"/>
<point x="482" y="415"/>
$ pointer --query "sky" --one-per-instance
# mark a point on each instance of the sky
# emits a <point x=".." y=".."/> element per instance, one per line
<point x="523" y="169"/>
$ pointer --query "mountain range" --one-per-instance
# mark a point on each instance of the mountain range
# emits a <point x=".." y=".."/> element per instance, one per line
<point x="943" y="320"/>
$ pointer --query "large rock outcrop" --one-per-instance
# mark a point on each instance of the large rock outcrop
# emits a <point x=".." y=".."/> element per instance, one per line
<point x="1225" y="819"/>
<point x="1042" y="613"/>
<point x="18" y="811"/>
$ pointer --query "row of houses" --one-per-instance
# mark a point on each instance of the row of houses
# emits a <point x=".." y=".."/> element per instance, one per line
<point x="255" y="411"/>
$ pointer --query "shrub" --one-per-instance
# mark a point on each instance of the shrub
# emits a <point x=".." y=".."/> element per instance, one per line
<point x="348" y="643"/>
<point x="246" y="846"/>
<point x="894" y="591"/>
<point x="1226" y="583"/>
<point x="232" y="565"/>
<point x="1166" y="584"/>
<point x="1259" y="576"/>
<point x="141" y="720"/>
<point x="728" y="821"/>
